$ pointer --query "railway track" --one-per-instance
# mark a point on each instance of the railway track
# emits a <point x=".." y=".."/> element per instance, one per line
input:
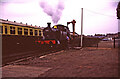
<point x="11" y="59"/>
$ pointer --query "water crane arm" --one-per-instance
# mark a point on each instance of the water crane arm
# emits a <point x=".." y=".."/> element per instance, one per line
<point x="73" y="24"/>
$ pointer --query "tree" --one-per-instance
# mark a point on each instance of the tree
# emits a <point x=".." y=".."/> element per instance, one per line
<point x="118" y="10"/>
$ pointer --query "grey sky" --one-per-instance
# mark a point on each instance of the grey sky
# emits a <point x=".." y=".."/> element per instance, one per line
<point x="99" y="15"/>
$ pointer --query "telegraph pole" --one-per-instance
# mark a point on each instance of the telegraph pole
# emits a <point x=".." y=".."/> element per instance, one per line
<point x="81" y="27"/>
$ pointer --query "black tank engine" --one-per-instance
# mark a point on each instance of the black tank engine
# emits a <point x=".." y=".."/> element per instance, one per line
<point x="56" y="36"/>
<point x="57" y="32"/>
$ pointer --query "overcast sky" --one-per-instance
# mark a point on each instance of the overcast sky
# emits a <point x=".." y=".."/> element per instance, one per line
<point x="99" y="15"/>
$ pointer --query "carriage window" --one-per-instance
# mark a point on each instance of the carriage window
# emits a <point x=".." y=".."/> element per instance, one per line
<point x="36" y="32"/>
<point x="39" y="33"/>
<point x="19" y="31"/>
<point x="31" y="32"/>
<point x="5" y="29"/>
<point x="1" y="29"/>
<point x="25" y="31"/>
<point x="12" y="30"/>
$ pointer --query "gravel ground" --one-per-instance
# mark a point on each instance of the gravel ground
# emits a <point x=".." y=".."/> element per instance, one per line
<point x="86" y="62"/>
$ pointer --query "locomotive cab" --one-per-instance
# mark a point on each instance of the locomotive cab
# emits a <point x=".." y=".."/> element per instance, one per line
<point x="64" y="31"/>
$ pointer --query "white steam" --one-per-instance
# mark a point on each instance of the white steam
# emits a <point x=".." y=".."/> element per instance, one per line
<point x="55" y="11"/>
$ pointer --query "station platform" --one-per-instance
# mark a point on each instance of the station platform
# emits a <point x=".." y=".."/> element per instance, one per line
<point x="85" y="62"/>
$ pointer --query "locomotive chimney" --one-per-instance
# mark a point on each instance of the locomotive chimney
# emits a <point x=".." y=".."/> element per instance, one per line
<point x="49" y="24"/>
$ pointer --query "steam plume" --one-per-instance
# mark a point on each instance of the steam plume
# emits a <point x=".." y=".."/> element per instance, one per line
<point x="55" y="12"/>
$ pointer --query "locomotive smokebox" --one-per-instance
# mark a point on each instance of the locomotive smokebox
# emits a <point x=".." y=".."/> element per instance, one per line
<point x="49" y="24"/>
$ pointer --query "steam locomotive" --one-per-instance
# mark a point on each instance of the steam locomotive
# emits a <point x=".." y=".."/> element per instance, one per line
<point x="56" y="37"/>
